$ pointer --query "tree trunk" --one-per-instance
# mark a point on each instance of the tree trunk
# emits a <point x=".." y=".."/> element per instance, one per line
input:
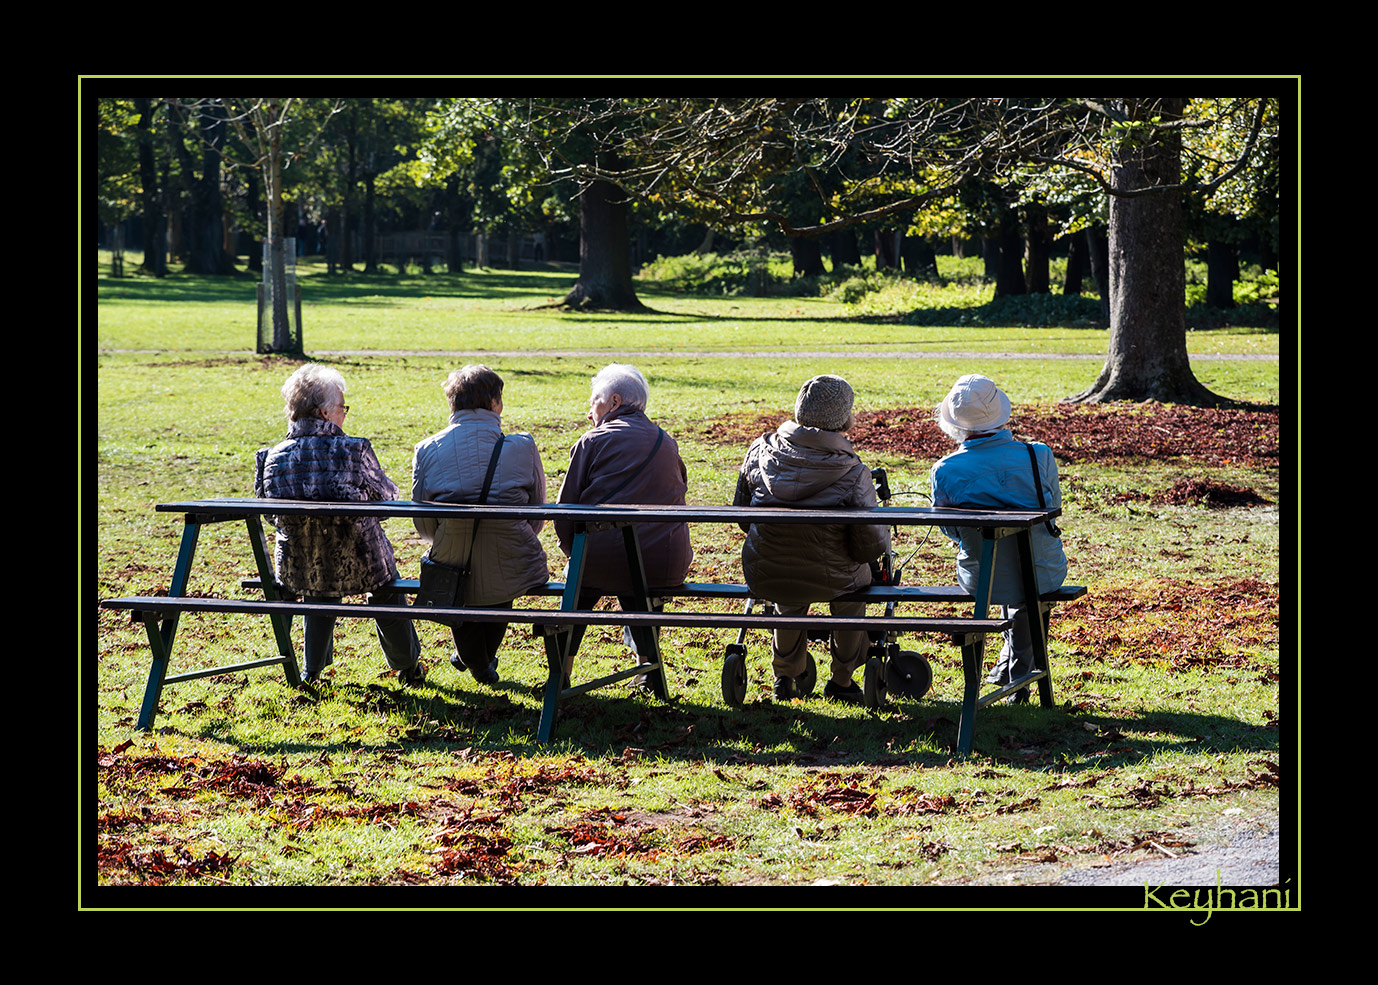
<point x="1148" y="335"/>
<point x="1222" y="270"/>
<point x="920" y="262"/>
<point x="807" y="254"/>
<point x="990" y="256"/>
<point x="204" y="216"/>
<point x="843" y="249"/>
<point x="706" y="246"/>
<point x="155" y="221"/>
<point x="605" y="267"/>
<point x="1036" y="248"/>
<point x="887" y="249"/>
<point x="1009" y="275"/>
<point x="1076" y="265"/>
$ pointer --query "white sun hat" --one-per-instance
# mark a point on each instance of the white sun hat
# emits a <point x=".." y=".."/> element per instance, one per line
<point x="975" y="403"/>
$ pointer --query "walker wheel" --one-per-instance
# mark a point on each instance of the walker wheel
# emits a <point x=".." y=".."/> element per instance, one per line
<point x="734" y="678"/>
<point x="803" y="684"/>
<point x="908" y="674"/>
<point x="873" y="683"/>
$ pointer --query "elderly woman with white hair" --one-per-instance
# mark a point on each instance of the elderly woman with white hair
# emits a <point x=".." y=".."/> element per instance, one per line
<point x="324" y="559"/>
<point x="809" y="463"/>
<point x="625" y="458"/>
<point x="990" y="470"/>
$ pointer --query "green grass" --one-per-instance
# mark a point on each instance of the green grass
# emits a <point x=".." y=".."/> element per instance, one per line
<point x="1167" y="684"/>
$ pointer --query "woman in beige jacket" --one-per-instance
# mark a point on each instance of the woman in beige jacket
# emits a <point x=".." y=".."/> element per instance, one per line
<point x="505" y="556"/>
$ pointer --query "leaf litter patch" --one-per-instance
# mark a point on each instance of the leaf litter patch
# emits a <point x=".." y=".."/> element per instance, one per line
<point x="1106" y="433"/>
<point x="1180" y="625"/>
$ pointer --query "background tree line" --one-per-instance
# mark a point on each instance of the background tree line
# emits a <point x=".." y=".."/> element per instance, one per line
<point x="1125" y="184"/>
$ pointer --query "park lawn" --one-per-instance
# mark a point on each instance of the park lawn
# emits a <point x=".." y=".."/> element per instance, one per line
<point x="502" y="311"/>
<point x="1167" y="676"/>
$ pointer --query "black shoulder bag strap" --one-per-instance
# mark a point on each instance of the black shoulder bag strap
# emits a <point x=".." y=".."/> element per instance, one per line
<point x="637" y="471"/>
<point x="483" y="496"/>
<point x="1038" y="486"/>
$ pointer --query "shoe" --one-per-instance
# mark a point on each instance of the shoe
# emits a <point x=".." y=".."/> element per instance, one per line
<point x="784" y="688"/>
<point x="413" y="676"/>
<point x="484" y="675"/>
<point x="1020" y="697"/>
<point x="850" y="694"/>
<point x="487" y="675"/>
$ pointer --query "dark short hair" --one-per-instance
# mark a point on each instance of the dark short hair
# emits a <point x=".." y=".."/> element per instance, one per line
<point x="473" y="387"/>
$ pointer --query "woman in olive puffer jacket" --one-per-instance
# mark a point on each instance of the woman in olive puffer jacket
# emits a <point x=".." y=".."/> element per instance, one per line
<point x="809" y="463"/>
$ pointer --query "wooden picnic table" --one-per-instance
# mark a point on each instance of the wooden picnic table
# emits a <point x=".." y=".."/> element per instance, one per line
<point x="160" y="613"/>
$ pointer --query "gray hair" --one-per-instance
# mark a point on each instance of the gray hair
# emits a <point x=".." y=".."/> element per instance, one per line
<point x="473" y="387"/>
<point x="624" y="380"/>
<point x="312" y="389"/>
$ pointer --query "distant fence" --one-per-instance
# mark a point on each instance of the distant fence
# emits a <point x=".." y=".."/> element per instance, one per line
<point x="427" y="249"/>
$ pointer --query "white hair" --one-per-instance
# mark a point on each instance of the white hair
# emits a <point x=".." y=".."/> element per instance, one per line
<point x="311" y="389"/>
<point x="948" y="428"/>
<point x="624" y="380"/>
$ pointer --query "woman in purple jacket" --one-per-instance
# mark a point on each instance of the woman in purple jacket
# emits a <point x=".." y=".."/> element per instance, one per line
<point x="625" y="458"/>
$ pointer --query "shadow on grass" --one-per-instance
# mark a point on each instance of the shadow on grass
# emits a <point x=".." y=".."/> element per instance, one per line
<point x="456" y="714"/>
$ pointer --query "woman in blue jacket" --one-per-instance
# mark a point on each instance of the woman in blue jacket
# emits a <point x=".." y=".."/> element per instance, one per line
<point x="991" y="470"/>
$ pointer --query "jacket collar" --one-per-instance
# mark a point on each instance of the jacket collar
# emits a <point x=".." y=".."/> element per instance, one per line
<point x="313" y="425"/>
<point x="474" y="414"/>
<point x="619" y="412"/>
<point x="999" y="437"/>
<point x="809" y="437"/>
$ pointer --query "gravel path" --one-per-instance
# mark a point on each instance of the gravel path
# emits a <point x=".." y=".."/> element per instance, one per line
<point x="1237" y="852"/>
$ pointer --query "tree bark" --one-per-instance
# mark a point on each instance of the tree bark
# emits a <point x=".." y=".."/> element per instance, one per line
<point x="605" y="267"/>
<point x="1076" y="264"/>
<point x="920" y="262"/>
<point x="155" y="220"/>
<point x="807" y="254"/>
<point x="1147" y="358"/>
<point x="843" y="249"/>
<point x="1036" y="248"/>
<point x="887" y="249"/>
<point x="1222" y="270"/>
<point x="1009" y="274"/>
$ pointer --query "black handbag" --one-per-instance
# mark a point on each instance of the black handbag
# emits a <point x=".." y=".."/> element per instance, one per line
<point x="442" y="585"/>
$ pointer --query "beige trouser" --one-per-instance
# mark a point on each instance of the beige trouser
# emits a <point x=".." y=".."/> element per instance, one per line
<point x="848" y="648"/>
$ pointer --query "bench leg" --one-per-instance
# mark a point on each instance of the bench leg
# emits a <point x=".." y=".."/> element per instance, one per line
<point x="160" y="637"/>
<point x="558" y="647"/>
<point x="973" y="652"/>
<point x="1038" y="628"/>
<point x="282" y="625"/>
<point x="159" y="642"/>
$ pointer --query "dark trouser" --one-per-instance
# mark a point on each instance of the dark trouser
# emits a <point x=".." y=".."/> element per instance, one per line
<point x="477" y="642"/>
<point x="397" y="637"/>
<point x="789" y="647"/>
<point x="640" y="640"/>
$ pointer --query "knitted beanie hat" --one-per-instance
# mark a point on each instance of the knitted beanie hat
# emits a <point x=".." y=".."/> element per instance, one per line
<point x="824" y="402"/>
<point x="975" y="403"/>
